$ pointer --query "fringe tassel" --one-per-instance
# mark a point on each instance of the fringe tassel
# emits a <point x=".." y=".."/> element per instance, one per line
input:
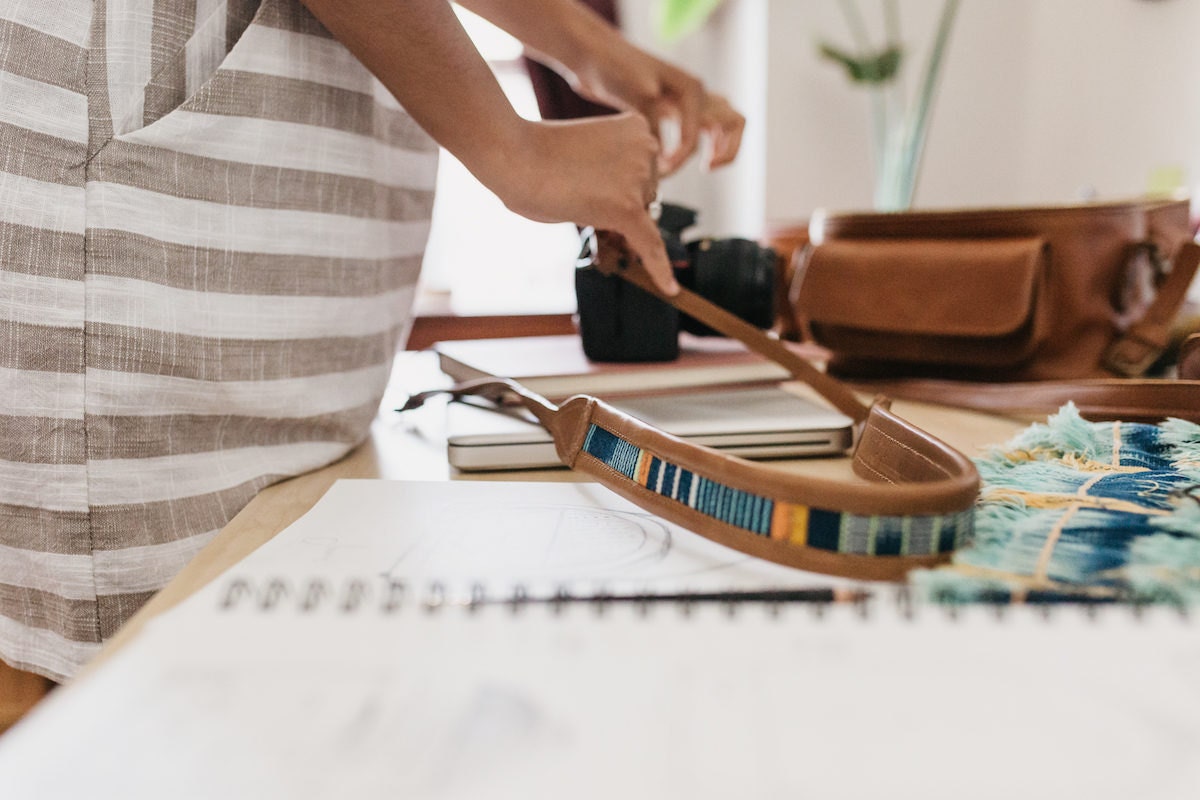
<point x="1183" y="437"/>
<point x="1141" y="544"/>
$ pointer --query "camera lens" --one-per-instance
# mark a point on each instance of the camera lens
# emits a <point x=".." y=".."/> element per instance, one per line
<point x="736" y="274"/>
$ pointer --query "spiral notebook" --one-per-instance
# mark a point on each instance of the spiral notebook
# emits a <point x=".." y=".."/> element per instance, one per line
<point x="461" y="539"/>
<point x="359" y="654"/>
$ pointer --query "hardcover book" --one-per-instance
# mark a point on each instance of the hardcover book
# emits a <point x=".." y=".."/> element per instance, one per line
<point x="556" y="367"/>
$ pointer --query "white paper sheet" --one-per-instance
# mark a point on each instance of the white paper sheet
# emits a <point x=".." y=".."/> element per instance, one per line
<point x="499" y="537"/>
<point x="370" y="699"/>
<point x="488" y="704"/>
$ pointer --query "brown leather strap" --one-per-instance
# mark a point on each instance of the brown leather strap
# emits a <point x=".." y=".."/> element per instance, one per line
<point x="1189" y="358"/>
<point x="909" y="507"/>
<point x="837" y="393"/>
<point x="1144" y="341"/>
<point x="1128" y="399"/>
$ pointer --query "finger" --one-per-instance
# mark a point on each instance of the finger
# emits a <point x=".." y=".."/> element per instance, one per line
<point x="642" y="236"/>
<point x="668" y="139"/>
<point x="649" y="146"/>
<point x="724" y="126"/>
<point x="650" y="188"/>
<point x="726" y="142"/>
<point x="611" y="251"/>
<point x="651" y="115"/>
<point x="687" y="107"/>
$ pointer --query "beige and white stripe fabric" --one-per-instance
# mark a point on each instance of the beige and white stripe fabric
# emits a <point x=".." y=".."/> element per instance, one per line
<point x="211" y="224"/>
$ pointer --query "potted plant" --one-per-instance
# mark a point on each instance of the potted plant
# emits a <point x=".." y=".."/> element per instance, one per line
<point x="899" y="124"/>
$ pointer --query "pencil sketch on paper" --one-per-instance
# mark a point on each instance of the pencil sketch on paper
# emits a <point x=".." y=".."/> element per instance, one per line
<point x="503" y="537"/>
<point x="562" y="546"/>
<point x="550" y="541"/>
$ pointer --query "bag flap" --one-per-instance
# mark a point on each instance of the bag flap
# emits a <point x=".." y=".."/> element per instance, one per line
<point x="943" y="287"/>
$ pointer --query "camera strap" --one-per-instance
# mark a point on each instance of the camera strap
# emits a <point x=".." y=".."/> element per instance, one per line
<point x="909" y="505"/>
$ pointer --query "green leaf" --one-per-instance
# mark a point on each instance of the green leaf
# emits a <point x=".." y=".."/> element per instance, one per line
<point x="677" y="18"/>
<point x="871" y="68"/>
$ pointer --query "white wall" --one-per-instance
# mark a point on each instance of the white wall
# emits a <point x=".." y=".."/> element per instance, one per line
<point x="1042" y="100"/>
<point x="728" y="54"/>
<point x="1124" y="98"/>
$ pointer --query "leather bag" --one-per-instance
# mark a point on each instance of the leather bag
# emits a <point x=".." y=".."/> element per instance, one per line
<point x="996" y="295"/>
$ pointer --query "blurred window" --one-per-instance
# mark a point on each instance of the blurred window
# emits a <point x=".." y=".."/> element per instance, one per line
<point x="482" y="258"/>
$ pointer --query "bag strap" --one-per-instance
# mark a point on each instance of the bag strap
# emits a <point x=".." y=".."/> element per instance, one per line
<point x="1189" y="358"/>
<point x="1128" y="399"/>
<point x="1144" y="341"/>
<point x="909" y="506"/>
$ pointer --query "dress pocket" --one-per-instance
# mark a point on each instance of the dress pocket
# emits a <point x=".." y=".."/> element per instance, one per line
<point x="158" y="65"/>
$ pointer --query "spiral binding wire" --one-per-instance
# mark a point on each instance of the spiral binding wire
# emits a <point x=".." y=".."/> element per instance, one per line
<point x="388" y="596"/>
<point x="353" y="594"/>
<point x="311" y="595"/>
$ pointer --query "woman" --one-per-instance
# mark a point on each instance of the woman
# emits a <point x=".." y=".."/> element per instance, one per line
<point x="212" y="218"/>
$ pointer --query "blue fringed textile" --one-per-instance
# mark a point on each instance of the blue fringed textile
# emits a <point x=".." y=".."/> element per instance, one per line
<point x="1078" y="510"/>
<point x="797" y="524"/>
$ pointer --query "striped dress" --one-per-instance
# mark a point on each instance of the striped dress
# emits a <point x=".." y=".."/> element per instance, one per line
<point x="211" y="224"/>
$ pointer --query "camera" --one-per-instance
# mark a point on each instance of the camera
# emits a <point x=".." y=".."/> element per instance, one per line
<point x="620" y="322"/>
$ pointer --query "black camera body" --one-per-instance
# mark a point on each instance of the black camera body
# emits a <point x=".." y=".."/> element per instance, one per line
<point x="620" y="322"/>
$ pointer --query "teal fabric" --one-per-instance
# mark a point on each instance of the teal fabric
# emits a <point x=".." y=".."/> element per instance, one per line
<point x="1083" y="511"/>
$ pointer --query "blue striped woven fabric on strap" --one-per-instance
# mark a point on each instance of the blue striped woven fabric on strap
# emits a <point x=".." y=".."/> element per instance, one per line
<point x="794" y="523"/>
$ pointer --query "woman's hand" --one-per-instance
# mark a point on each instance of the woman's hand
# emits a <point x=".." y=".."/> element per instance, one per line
<point x="603" y="66"/>
<point x="628" y="78"/>
<point x="599" y="171"/>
